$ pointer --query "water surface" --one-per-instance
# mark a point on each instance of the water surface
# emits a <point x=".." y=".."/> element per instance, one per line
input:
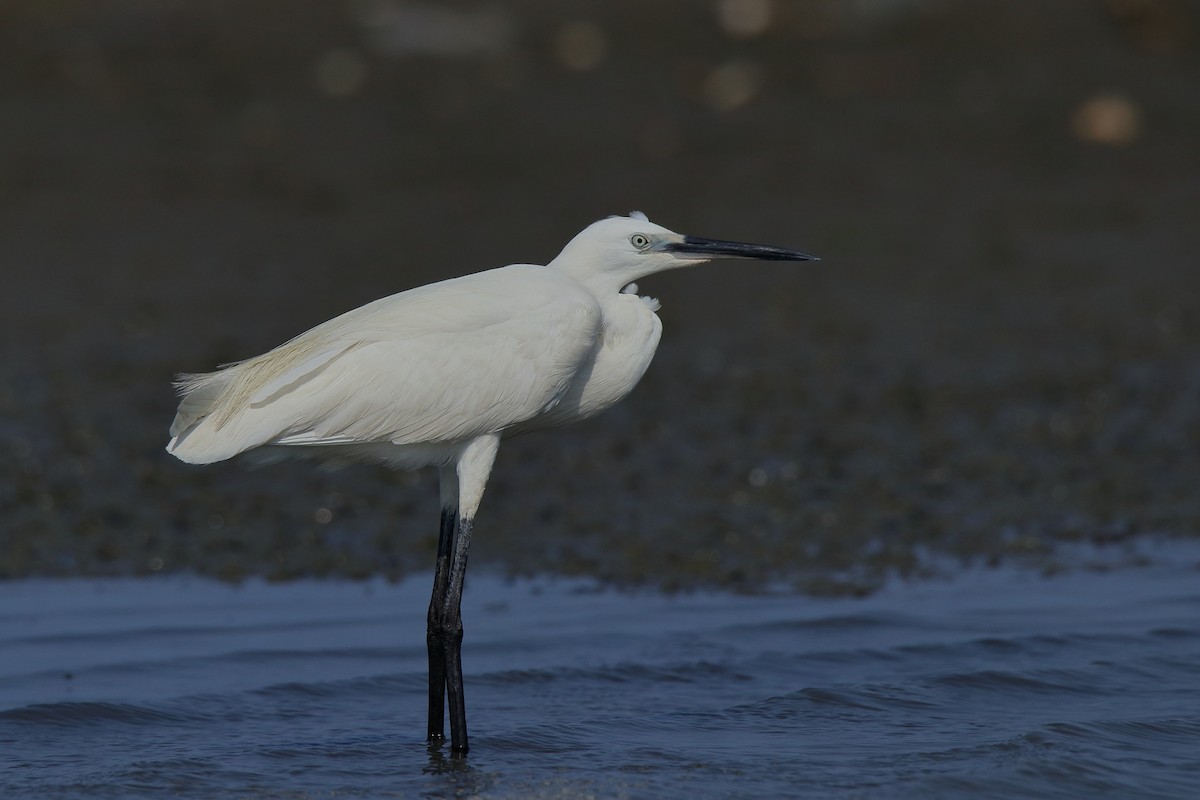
<point x="992" y="684"/>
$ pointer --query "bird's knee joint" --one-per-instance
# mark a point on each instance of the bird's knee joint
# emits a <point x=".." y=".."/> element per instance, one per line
<point x="450" y="630"/>
<point x="443" y="626"/>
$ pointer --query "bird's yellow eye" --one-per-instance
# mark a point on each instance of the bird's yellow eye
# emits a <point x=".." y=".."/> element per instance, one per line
<point x="640" y="240"/>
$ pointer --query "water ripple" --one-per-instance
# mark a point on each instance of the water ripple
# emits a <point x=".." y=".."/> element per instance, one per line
<point x="97" y="714"/>
<point x="970" y="689"/>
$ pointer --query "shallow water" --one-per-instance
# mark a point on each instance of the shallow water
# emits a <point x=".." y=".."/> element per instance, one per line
<point x="994" y="683"/>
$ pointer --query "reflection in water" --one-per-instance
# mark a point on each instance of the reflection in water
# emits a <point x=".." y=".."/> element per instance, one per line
<point x="456" y="776"/>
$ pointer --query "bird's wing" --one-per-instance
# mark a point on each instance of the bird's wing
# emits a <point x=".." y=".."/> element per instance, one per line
<point x="441" y="363"/>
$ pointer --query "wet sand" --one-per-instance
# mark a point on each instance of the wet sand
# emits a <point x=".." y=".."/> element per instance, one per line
<point x="998" y="354"/>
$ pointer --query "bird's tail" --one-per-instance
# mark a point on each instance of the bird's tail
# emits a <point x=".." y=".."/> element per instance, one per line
<point x="198" y="393"/>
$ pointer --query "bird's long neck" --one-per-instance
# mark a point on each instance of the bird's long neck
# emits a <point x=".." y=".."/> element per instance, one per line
<point x="599" y="277"/>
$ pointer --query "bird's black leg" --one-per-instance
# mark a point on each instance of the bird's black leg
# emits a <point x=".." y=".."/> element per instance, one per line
<point x="434" y="632"/>
<point x="452" y="630"/>
<point x="462" y="488"/>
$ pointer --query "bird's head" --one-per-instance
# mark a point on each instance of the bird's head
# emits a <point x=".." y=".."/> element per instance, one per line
<point x="615" y="251"/>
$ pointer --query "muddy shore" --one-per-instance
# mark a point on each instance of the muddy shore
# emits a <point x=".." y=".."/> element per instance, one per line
<point x="998" y="354"/>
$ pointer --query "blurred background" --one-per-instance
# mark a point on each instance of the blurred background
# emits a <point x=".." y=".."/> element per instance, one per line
<point x="996" y="359"/>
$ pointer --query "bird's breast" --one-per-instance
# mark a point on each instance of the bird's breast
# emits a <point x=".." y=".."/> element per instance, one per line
<point x="629" y="335"/>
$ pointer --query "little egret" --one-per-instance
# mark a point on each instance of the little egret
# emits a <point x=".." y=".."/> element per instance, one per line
<point x="436" y="375"/>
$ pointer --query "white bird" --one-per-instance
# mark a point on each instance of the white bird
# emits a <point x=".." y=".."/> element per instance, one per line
<point x="437" y="375"/>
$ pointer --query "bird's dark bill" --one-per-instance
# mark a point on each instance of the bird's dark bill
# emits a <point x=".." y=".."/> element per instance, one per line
<point x="714" y="248"/>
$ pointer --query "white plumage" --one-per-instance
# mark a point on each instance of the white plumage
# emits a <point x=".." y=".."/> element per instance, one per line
<point x="434" y="365"/>
<point x="438" y="374"/>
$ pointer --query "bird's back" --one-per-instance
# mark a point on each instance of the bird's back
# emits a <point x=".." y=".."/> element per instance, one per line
<point x="436" y="364"/>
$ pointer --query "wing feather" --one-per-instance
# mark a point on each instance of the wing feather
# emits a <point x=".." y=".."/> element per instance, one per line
<point x="441" y="363"/>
